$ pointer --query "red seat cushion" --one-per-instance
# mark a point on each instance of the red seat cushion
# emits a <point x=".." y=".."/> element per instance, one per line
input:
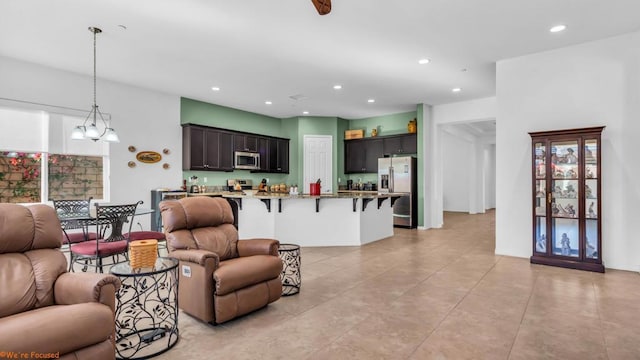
<point x="77" y="237"/>
<point x="144" y="235"/>
<point x="104" y="248"/>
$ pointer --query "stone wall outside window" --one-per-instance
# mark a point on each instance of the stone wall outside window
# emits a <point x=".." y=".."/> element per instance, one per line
<point x="70" y="177"/>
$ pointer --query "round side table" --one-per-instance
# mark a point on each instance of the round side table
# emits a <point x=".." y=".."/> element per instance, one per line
<point x="290" y="276"/>
<point x="146" y="309"/>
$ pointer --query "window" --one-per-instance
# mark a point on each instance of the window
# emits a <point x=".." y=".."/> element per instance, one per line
<point x="35" y="146"/>
<point x="20" y="177"/>
<point x="69" y="176"/>
<point x="75" y="177"/>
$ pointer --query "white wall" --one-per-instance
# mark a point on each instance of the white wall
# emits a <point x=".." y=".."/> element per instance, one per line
<point x="465" y="111"/>
<point x="145" y="119"/>
<point x="596" y="83"/>
<point x="490" y="177"/>
<point x="456" y="172"/>
<point x="435" y="119"/>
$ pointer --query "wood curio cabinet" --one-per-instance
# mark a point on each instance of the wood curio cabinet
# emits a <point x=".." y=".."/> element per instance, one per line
<point x="566" y="187"/>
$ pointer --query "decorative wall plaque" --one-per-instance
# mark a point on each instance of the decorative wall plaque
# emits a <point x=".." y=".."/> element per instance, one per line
<point x="148" y="157"/>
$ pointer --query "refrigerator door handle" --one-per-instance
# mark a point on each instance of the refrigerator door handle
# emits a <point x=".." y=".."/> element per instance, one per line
<point x="391" y="175"/>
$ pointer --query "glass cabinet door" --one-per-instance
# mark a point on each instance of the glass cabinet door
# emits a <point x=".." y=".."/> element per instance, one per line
<point x="591" y="199"/>
<point x="540" y="198"/>
<point x="564" y="198"/>
<point x="567" y="198"/>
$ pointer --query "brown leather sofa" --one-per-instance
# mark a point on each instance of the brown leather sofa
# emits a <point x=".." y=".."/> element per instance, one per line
<point x="44" y="310"/>
<point x="221" y="277"/>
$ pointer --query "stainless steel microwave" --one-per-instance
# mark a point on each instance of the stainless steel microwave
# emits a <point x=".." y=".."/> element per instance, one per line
<point x="247" y="160"/>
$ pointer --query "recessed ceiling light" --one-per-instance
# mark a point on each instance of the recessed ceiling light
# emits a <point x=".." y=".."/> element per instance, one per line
<point x="456" y="89"/>
<point x="215" y="88"/>
<point x="268" y="102"/>
<point x="337" y="87"/>
<point x="424" y="61"/>
<point x="371" y="100"/>
<point x="123" y="27"/>
<point x="305" y="113"/>
<point x="558" y="28"/>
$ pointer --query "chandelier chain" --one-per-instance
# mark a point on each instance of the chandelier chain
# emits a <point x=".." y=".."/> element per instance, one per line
<point x="91" y="131"/>
<point x="95" y="31"/>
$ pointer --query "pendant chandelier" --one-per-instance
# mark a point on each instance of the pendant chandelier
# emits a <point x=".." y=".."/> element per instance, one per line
<point x="92" y="132"/>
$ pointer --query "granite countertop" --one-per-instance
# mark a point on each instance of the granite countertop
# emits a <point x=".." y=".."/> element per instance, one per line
<point x="218" y="193"/>
<point x="339" y="195"/>
<point x="357" y="191"/>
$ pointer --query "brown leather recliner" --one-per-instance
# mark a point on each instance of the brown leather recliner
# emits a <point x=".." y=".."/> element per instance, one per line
<point x="221" y="277"/>
<point x="44" y="310"/>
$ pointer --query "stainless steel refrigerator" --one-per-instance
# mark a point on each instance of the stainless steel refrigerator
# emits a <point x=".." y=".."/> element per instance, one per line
<point x="399" y="175"/>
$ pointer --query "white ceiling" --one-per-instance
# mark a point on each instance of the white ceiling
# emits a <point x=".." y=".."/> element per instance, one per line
<point x="258" y="50"/>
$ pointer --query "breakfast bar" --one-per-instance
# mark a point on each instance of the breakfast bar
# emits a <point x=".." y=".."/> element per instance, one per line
<point x="325" y="220"/>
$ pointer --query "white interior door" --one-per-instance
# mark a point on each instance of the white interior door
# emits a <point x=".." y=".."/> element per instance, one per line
<point x="318" y="162"/>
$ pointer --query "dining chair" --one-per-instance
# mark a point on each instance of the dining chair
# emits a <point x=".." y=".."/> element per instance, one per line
<point x="107" y="217"/>
<point x="73" y="215"/>
<point x="149" y="235"/>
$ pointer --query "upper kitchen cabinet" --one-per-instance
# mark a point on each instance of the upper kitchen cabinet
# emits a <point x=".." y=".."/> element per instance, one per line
<point x="400" y="144"/>
<point x="263" y="150"/>
<point x="206" y="149"/>
<point x="278" y="158"/>
<point x="244" y="142"/>
<point x="361" y="156"/>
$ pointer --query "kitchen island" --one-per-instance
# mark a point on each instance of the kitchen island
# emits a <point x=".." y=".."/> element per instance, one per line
<point x="325" y="220"/>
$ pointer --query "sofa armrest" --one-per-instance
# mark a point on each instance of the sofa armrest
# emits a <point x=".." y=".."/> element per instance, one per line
<point x="76" y="288"/>
<point x="200" y="257"/>
<point x="195" y="293"/>
<point x="249" y="247"/>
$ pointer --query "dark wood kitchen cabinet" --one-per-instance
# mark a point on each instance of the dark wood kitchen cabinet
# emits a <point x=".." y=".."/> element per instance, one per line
<point x="278" y="157"/>
<point x="244" y="142"/>
<point x="283" y="156"/>
<point x="206" y="149"/>
<point x="361" y="155"/>
<point x="263" y="150"/>
<point x="400" y="144"/>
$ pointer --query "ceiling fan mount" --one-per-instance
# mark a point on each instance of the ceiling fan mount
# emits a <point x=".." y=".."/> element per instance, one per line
<point x="323" y="6"/>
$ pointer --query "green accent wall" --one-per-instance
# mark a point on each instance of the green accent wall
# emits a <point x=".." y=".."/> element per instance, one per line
<point x="343" y="125"/>
<point x="290" y="130"/>
<point x="420" y="117"/>
<point x="295" y="128"/>
<point x="392" y="124"/>
<point x="198" y="112"/>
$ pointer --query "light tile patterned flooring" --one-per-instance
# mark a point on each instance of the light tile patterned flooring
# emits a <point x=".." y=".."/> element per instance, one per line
<point x="436" y="294"/>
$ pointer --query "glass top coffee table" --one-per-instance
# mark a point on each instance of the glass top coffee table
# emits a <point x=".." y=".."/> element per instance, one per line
<point x="146" y="309"/>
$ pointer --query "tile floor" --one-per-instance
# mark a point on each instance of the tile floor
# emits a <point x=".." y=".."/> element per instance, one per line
<point x="436" y="294"/>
